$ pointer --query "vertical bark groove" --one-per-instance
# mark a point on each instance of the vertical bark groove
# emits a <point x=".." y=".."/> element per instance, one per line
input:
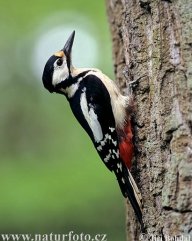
<point x="152" y="45"/>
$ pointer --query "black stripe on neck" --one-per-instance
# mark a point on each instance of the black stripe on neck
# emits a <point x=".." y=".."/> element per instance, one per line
<point x="71" y="80"/>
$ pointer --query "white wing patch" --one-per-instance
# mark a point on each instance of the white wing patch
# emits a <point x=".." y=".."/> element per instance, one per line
<point x="91" y="118"/>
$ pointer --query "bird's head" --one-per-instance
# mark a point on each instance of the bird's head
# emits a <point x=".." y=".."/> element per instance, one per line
<point x="58" y="66"/>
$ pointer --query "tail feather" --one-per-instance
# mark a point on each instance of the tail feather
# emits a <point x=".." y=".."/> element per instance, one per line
<point x="130" y="190"/>
<point x="135" y="189"/>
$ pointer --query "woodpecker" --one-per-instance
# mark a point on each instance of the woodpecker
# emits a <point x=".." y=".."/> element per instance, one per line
<point x="102" y="111"/>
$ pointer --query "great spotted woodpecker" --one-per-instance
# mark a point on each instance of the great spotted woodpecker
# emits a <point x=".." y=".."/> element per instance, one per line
<point x="102" y="111"/>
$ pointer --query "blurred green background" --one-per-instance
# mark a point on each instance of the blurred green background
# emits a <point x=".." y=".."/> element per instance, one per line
<point x="52" y="179"/>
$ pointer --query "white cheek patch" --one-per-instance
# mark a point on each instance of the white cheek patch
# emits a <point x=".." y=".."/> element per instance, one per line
<point x="91" y="119"/>
<point x="60" y="74"/>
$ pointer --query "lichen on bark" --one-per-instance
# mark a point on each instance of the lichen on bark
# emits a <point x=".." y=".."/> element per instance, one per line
<point x="152" y="46"/>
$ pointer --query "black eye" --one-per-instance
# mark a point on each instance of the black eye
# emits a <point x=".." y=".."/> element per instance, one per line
<point x="59" y="62"/>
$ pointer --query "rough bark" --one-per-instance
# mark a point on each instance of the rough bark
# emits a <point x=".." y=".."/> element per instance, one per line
<point x="152" y="46"/>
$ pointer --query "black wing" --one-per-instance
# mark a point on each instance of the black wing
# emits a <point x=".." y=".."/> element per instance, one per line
<point x="96" y="117"/>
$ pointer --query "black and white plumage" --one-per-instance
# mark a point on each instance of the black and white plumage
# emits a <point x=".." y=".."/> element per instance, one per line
<point x="101" y="110"/>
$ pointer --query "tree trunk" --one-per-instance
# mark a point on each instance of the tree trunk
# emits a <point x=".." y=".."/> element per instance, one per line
<point x="152" y="48"/>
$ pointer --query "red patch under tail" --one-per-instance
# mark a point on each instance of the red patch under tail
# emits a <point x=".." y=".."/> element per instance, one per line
<point x="126" y="147"/>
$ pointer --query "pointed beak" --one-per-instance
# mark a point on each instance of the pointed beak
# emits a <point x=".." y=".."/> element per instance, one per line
<point x="68" y="45"/>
